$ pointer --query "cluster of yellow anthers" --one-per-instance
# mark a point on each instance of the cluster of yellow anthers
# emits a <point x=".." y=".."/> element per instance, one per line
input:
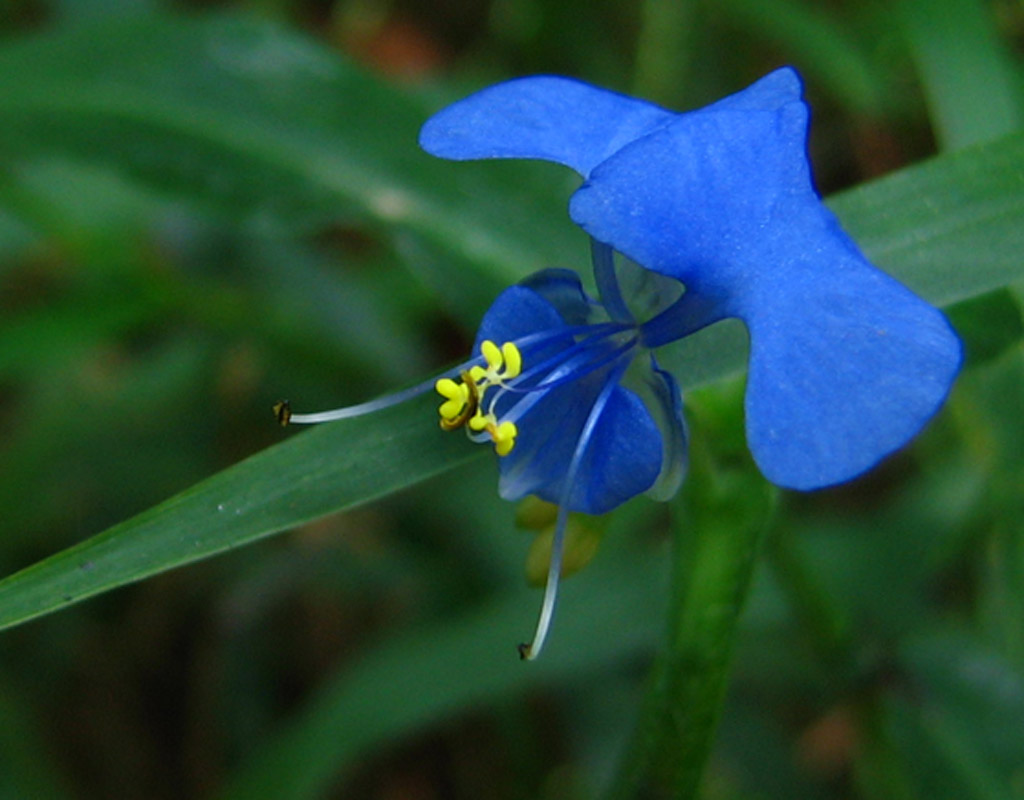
<point x="464" y="404"/>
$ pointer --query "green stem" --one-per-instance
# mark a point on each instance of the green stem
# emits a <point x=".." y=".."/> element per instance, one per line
<point x="717" y="540"/>
<point x="827" y="626"/>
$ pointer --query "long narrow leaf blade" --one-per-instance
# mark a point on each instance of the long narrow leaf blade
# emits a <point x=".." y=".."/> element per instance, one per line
<point x="312" y="474"/>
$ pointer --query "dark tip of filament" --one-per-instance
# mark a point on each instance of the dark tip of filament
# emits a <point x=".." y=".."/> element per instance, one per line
<point x="283" y="412"/>
<point x="524" y="651"/>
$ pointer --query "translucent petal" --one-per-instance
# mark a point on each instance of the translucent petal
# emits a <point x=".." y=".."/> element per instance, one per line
<point x="544" y="117"/>
<point x="563" y="289"/>
<point x="663" y="397"/>
<point x="846" y="366"/>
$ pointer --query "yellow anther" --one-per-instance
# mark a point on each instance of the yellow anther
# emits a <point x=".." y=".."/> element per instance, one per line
<point x="513" y="360"/>
<point x="457" y="396"/>
<point x="461" y="401"/>
<point x="492" y="355"/>
<point x="504" y="436"/>
<point x="446" y="387"/>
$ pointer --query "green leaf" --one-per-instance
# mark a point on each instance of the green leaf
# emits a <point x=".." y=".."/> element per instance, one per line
<point x="312" y="474"/>
<point x="951" y="227"/>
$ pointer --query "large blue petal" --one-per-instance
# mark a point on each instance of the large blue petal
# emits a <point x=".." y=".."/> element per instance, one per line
<point x="846" y="366"/>
<point x="545" y="117"/>
<point x="624" y="454"/>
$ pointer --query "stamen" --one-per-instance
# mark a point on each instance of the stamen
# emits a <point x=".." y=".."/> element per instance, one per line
<point x="567" y="372"/>
<point x="462" y="403"/>
<point x="513" y="365"/>
<point x="463" y="400"/>
<point x="530" y="651"/>
<point x="513" y="360"/>
<point x="504" y="436"/>
<point x="283" y="412"/>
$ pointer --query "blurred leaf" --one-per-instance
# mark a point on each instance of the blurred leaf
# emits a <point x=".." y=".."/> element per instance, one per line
<point x="268" y="127"/>
<point x="261" y="125"/>
<point x="989" y="325"/>
<point x="959" y="727"/>
<point x="26" y="768"/>
<point x="819" y="40"/>
<point x="973" y="90"/>
<point x="951" y="227"/>
<point x="416" y="678"/>
<point x="988" y="414"/>
<point x="61" y="332"/>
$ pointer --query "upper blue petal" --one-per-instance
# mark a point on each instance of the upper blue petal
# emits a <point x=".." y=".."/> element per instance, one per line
<point x="558" y="119"/>
<point x="623" y="456"/>
<point x="711" y="199"/>
<point x="545" y="117"/>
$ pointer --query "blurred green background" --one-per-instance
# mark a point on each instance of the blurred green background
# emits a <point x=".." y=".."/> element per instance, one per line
<point x="205" y="207"/>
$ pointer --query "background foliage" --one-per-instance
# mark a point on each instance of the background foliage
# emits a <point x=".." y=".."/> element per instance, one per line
<point x="207" y="206"/>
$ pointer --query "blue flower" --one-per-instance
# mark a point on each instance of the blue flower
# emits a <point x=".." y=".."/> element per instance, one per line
<point x="846" y="364"/>
<point x="693" y="217"/>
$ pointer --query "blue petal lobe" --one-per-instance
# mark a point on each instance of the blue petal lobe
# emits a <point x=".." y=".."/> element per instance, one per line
<point x="846" y="366"/>
<point x="769" y="93"/>
<point x="518" y="312"/>
<point x="543" y="117"/>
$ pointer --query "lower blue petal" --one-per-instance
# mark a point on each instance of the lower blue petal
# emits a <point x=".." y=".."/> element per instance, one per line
<point x="623" y="456"/>
<point x="621" y="459"/>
